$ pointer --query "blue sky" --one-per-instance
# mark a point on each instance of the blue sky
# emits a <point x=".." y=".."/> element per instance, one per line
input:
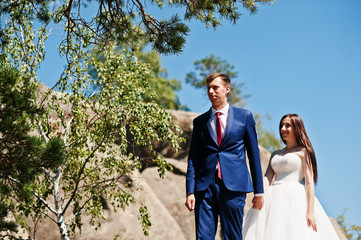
<point x="294" y="56"/>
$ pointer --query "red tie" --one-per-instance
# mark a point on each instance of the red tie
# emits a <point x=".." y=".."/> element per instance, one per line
<point x="219" y="139"/>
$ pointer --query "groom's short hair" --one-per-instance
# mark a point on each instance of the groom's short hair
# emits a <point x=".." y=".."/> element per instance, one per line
<point x="225" y="78"/>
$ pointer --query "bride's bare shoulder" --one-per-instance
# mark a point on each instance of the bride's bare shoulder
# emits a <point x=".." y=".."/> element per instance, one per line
<point x="301" y="152"/>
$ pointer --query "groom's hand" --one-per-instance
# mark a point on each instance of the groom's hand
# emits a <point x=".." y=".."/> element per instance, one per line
<point x="190" y="202"/>
<point x="257" y="202"/>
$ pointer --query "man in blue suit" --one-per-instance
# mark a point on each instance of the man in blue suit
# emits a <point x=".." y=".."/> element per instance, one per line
<point x="217" y="175"/>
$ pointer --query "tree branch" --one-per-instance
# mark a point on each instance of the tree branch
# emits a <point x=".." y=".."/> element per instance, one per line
<point x="47" y="173"/>
<point x="111" y="181"/>
<point x="81" y="172"/>
<point x="42" y="133"/>
<point x="46" y="205"/>
<point x="67" y="130"/>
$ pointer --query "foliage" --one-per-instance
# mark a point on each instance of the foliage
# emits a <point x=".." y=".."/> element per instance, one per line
<point x="22" y="155"/>
<point x="129" y="21"/>
<point x="352" y="231"/>
<point x="11" y="122"/>
<point x="144" y="217"/>
<point x="164" y="88"/>
<point x="94" y="165"/>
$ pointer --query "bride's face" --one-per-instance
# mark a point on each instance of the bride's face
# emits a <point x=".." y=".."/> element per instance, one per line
<point x="287" y="132"/>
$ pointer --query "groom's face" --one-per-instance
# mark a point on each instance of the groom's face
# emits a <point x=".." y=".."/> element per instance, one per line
<point x="218" y="91"/>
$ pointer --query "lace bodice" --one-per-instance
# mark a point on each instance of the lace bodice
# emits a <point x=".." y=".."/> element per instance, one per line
<point x="287" y="168"/>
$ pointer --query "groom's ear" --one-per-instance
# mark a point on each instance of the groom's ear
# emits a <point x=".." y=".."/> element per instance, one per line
<point x="228" y="89"/>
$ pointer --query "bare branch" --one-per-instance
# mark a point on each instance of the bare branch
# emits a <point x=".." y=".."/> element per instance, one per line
<point x="14" y="180"/>
<point x="96" y="90"/>
<point x="47" y="205"/>
<point x="47" y="173"/>
<point x="41" y="130"/>
<point x="67" y="130"/>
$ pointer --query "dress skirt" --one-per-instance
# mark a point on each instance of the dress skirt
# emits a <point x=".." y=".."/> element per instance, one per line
<point x="283" y="216"/>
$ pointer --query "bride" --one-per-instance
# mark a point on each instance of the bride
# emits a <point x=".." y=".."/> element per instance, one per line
<point x="291" y="211"/>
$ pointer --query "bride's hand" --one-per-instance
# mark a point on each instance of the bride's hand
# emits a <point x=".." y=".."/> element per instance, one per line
<point x="311" y="221"/>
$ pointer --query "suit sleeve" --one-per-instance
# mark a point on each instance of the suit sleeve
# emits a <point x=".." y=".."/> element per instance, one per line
<point x="194" y="154"/>
<point x="251" y="144"/>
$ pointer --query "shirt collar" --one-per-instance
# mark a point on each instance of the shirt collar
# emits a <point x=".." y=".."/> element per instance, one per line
<point x="223" y="110"/>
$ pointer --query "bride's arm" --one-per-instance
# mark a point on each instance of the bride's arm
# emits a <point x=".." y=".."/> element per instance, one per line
<point x="310" y="192"/>
<point x="268" y="176"/>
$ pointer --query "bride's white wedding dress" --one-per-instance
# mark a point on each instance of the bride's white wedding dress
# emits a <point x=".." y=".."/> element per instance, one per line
<point x="283" y="216"/>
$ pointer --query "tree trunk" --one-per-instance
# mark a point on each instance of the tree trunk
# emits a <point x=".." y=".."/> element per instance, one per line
<point x="58" y="207"/>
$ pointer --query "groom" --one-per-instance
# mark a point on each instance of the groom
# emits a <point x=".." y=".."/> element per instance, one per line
<point x="217" y="175"/>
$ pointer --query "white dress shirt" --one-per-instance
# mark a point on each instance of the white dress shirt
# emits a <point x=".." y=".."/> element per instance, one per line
<point x="223" y="116"/>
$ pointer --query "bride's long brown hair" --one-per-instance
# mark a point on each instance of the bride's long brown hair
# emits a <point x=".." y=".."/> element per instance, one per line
<point x="302" y="139"/>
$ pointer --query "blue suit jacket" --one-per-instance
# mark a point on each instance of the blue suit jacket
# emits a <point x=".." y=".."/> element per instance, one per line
<point x="204" y="153"/>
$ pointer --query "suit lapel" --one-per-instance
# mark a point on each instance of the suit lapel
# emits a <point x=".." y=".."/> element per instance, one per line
<point x="208" y="127"/>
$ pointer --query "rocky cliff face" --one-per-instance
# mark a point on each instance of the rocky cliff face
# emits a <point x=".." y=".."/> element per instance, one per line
<point x="164" y="199"/>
